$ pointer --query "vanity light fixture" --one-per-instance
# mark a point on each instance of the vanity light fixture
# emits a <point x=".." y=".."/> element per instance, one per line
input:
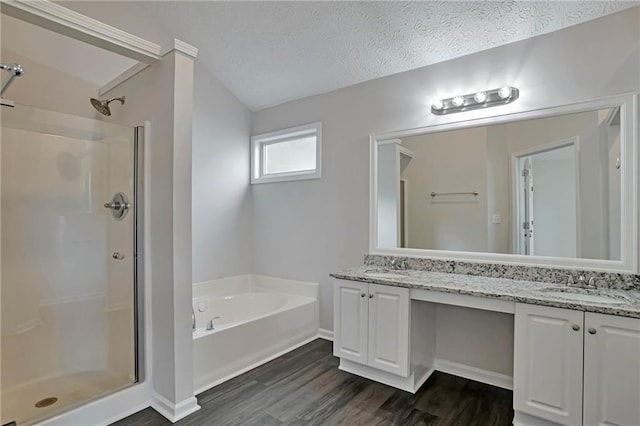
<point x="480" y="97"/>
<point x="458" y="101"/>
<point x="483" y="99"/>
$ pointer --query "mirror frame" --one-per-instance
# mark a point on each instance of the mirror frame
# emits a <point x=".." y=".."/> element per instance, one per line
<point x="630" y="185"/>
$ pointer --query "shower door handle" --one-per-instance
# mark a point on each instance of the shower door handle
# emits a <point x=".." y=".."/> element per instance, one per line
<point x="117" y="255"/>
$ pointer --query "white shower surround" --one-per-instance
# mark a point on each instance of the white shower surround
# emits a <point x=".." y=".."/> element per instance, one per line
<point x="260" y="318"/>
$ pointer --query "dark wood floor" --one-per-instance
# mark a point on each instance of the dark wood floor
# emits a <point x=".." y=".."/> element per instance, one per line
<point x="305" y="387"/>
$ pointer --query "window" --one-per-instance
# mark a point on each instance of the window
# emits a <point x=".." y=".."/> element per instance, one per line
<point x="289" y="154"/>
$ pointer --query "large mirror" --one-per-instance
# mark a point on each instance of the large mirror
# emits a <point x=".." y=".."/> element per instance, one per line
<point x="549" y="184"/>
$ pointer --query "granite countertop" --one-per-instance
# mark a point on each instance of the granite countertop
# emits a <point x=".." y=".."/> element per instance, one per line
<point x="538" y="293"/>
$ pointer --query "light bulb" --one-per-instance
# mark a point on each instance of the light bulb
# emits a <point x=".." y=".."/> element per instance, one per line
<point x="438" y="105"/>
<point x="504" y="92"/>
<point x="480" y="97"/>
<point x="458" y="101"/>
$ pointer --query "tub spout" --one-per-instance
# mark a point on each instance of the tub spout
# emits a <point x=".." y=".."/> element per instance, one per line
<point x="210" y="323"/>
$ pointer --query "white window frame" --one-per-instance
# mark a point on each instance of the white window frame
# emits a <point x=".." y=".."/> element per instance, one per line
<point x="258" y="142"/>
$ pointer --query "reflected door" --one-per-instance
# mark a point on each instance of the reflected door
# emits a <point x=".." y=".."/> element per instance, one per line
<point x="67" y="261"/>
<point x="547" y="207"/>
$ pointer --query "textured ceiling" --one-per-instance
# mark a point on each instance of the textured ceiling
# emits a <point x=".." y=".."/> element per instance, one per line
<point x="272" y="52"/>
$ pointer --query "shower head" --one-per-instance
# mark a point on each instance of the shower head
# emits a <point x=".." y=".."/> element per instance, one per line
<point x="103" y="106"/>
<point x="15" y="70"/>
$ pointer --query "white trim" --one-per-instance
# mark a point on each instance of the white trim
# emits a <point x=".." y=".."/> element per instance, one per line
<point x="254" y="365"/>
<point x="59" y="19"/>
<point x="126" y="75"/>
<point x="390" y="141"/>
<point x="630" y="190"/>
<point x="473" y="373"/>
<point x="325" y="334"/>
<point x="257" y="159"/>
<point x="174" y="412"/>
<point x="524" y="419"/>
<point x="179" y="46"/>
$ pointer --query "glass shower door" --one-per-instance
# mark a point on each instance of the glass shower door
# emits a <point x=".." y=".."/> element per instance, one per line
<point x="67" y="261"/>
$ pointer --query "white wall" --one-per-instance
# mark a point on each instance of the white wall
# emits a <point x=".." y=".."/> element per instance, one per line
<point x="498" y="190"/>
<point x="448" y="162"/>
<point x="221" y="190"/>
<point x="475" y="337"/>
<point x="305" y="230"/>
<point x="36" y="88"/>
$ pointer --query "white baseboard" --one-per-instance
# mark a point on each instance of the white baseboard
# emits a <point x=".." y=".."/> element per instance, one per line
<point x="254" y="365"/>
<point x="473" y="373"/>
<point x="325" y="334"/>
<point x="174" y="412"/>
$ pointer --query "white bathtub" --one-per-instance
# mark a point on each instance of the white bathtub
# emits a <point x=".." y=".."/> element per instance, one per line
<point x="258" y="318"/>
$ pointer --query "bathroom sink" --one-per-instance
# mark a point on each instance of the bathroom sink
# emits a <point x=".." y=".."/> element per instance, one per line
<point x="583" y="296"/>
<point x="382" y="274"/>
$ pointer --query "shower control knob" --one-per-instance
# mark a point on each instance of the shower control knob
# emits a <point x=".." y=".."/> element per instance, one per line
<point x="117" y="255"/>
<point x="119" y="206"/>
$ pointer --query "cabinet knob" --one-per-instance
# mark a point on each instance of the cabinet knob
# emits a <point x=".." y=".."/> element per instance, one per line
<point x="592" y="331"/>
<point x="371" y="296"/>
<point x="363" y="294"/>
<point x="576" y="327"/>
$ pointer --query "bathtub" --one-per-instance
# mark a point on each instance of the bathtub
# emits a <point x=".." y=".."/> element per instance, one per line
<point x="255" y="319"/>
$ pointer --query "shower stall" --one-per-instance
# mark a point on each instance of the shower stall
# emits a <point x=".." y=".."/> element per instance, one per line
<point x="70" y="198"/>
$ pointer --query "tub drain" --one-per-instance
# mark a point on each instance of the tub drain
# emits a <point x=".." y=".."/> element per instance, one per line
<point x="46" y="402"/>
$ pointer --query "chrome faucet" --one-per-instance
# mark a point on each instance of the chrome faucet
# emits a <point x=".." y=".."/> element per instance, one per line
<point x="582" y="282"/>
<point x="210" y="323"/>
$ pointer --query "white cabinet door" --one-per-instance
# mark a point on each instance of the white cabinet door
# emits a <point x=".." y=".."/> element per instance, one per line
<point x="389" y="329"/>
<point x="350" y="320"/>
<point x="611" y="370"/>
<point x="547" y="375"/>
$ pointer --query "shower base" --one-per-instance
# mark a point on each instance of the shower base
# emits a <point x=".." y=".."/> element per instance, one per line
<point x="19" y="403"/>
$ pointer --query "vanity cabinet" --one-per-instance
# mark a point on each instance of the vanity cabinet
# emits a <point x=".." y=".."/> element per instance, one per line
<point x="371" y="325"/>
<point x="574" y="368"/>
<point x="611" y="370"/>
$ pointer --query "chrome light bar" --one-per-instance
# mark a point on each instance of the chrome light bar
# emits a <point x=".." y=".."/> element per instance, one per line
<point x="484" y="99"/>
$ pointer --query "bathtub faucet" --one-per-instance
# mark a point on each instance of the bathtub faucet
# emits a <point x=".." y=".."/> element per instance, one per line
<point x="210" y="323"/>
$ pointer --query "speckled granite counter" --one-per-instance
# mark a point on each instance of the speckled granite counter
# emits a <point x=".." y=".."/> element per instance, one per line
<point x="537" y="293"/>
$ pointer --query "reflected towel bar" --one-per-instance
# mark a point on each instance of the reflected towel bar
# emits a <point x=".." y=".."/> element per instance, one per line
<point x="474" y="193"/>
